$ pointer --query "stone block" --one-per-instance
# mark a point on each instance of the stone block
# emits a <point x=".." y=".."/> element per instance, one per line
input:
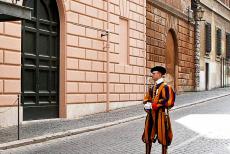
<point x="7" y="41"/>
<point x="85" y="64"/>
<point x="85" y="20"/>
<point x="119" y="88"/>
<point x="12" y="86"/>
<point x="72" y="87"/>
<point x="91" y="11"/>
<point x="1" y="86"/>
<point x="97" y="87"/>
<point x="72" y="40"/>
<point x="8" y="71"/>
<point x="72" y="63"/>
<point x="75" y="75"/>
<point x="91" y="98"/>
<point x="72" y="17"/>
<point x="77" y="7"/>
<point x="91" y="76"/>
<point x="1" y="56"/>
<point x="97" y="66"/>
<point x="12" y="57"/>
<point x="75" y="98"/>
<point x="76" y="52"/>
<point x="75" y="29"/>
<point x="13" y="29"/>
<point x="85" y="87"/>
<point x="114" y="78"/>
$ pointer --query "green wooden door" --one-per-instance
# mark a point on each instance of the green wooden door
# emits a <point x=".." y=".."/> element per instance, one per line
<point x="40" y="61"/>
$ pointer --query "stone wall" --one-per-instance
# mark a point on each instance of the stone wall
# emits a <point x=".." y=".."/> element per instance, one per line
<point x="83" y="58"/>
<point x="86" y="55"/>
<point x="159" y="22"/>
<point x="10" y="71"/>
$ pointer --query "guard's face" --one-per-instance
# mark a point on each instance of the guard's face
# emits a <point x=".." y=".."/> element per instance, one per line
<point x="156" y="75"/>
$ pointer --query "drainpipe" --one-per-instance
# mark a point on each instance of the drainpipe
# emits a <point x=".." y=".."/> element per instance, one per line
<point x="144" y="49"/>
<point x="108" y="60"/>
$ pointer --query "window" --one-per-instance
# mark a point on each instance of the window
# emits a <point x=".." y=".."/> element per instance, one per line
<point x="218" y="42"/>
<point x="123" y="41"/>
<point x="228" y="45"/>
<point x="208" y="37"/>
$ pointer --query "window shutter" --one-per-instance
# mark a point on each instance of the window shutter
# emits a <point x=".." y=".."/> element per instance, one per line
<point x="208" y="38"/>
<point x="218" y="42"/>
<point x="228" y="45"/>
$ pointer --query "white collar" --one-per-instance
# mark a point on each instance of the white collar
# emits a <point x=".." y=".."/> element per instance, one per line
<point x="159" y="81"/>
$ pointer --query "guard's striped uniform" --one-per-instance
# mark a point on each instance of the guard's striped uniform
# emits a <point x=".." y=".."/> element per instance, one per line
<point x="157" y="123"/>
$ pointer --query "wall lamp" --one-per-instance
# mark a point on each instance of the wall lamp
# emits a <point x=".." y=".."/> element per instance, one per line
<point x="199" y="14"/>
<point x="196" y="14"/>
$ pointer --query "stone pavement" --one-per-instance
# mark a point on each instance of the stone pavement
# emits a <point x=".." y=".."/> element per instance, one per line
<point x="191" y="130"/>
<point x="55" y="128"/>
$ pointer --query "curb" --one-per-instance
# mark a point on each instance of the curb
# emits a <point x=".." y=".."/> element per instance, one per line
<point x="23" y="142"/>
<point x="198" y="102"/>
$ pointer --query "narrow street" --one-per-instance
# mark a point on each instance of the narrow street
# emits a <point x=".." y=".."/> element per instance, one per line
<point x="199" y="129"/>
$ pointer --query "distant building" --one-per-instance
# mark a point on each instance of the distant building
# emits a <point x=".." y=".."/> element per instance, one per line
<point x="215" y="44"/>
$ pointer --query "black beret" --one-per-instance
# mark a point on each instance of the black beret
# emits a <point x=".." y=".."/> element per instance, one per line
<point x="160" y="69"/>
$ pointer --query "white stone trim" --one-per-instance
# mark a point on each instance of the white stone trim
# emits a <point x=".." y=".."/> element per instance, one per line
<point x="117" y="105"/>
<point x="79" y="110"/>
<point x="9" y="116"/>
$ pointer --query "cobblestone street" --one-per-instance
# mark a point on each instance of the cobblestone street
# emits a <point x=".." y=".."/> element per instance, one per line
<point x="126" y="138"/>
<point x="35" y="129"/>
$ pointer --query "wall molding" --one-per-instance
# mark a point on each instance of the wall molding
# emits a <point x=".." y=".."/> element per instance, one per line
<point x="215" y="7"/>
<point x="169" y="9"/>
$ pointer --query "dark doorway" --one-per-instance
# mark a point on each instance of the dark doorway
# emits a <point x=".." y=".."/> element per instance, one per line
<point x="40" y="61"/>
<point x="206" y="76"/>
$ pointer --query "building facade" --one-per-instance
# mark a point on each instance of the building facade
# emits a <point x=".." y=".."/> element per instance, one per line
<point x="57" y="62"/>
<point x="214" y="43"/>
<point x="170" y="41"/>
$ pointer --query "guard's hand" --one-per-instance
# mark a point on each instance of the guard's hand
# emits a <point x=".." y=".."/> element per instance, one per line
<point x="154" y="106"/>
<point x="148" y="106"/>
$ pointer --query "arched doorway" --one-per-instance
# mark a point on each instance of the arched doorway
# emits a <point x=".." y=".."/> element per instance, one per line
<point x="40" y="61"/>
<point x="171" y="57"/>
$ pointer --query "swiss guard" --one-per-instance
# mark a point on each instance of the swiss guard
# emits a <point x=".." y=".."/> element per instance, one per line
<point x="157" y="102"/>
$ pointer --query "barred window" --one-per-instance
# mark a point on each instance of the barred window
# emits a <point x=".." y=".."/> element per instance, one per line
<point x="228" y="45"/>
<point x="218" y="42"/>
<point x="208" y="37"/>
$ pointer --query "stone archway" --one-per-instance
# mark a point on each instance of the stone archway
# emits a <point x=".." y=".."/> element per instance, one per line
<point x="62" y="80"/>
<point x="171" y="59"/>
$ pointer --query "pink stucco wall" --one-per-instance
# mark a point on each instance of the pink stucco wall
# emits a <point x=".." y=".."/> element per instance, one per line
<point x="83" y="56"/>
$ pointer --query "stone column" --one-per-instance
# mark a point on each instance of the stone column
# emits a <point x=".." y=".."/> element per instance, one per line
<point x="195" y="6"/>
<point x="197" y="55"/>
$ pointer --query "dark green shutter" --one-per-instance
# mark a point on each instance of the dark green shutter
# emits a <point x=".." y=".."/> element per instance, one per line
<point x="228" y="45"/>
<point x="218" y="42"/>
<point x="208" y="38"/>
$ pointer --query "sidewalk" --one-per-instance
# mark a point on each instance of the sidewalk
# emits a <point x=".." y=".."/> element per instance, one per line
<point x="34" y="132"/>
